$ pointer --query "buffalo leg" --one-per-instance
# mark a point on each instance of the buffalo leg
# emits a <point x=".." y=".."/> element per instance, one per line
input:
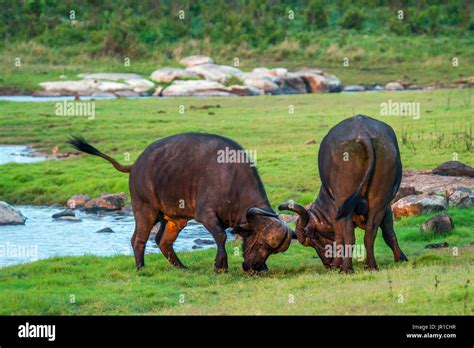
<point x="373" y="222"/>
<point x="144" y="220"/>
<point x="389" y="236"/>
<point x="166" y="240"/>
<point x="345" y="227"/>
<point x="218" y="233"/>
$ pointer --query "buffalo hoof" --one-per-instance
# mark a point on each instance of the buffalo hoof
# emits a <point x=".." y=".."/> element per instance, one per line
<point x="403" y="258"/>
<point x="220" y="270"/>
<point x="347" y="270"/>
<point x="254" y="269"/>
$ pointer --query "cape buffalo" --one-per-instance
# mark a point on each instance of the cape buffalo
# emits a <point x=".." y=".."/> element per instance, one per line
<point x="184" y="177"/>
<point x="360" y="170"/>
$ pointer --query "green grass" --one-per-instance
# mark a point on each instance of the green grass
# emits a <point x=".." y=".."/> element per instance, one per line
<point x="373" y="58"/>
<point x="287" y="166"/>
<point x="111" y="285"/>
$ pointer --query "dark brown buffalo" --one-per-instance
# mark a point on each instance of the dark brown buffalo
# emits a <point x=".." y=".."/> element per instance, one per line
<point x="180" y="178"/>
<point x="360" y="170"/>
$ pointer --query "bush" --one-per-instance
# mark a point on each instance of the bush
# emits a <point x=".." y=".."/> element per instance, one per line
<point x="353" y="19"/>
<point x="316" y="14"/>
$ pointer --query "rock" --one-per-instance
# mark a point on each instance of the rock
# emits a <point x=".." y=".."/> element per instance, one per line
<point x="394" y="86"/>
<point x="110" y="76"/>
<point x="291" y="84"/>
<point x="460" y="197"/>
<point x="438" y="224"/>
<point x="194" y="247"/>
<point x="77" y="201"/>
<point x="214" y="72"/>
<point x="90" y="86"/>
<point x="310" y="142"/>
<point x="140" y="85"/>
<point x="10" y="216"/>
<point x="276" y="72"/>
<point x="418" y="204"/>
<point x="353" y="88"/>
<point x="265" y="83"/>
<point x="168" y="75"/>
<point x="158" y="91"/>
<point x="333" y="83"/>
<point x="81" y="87"/>
<point x="196" y="88"/>
<point x="317" y="81"/>
<point x="68" y="218"/>
<point x="437" y="245"/>
<point x="451" y="190"/>
<point x="105" y="230"/>
<point x="287" y="219"/>
<point x="127" y="209"/>
<point x="196" y="60"/>
<point x="425" y="182"/>
<point x="67" y="212"/>
<point x="127" y="94"/>
<point x="454" y="168"/>
<point x="245" y="90"/>
<point x="200" y="241"/>
<point x="404" y="191"/>
<point x="113" y="87"/>
<point x="106" y="202"/>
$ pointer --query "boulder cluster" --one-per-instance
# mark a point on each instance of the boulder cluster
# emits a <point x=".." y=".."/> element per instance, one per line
<point x="106" y="202"/>
<point x="423" y="191"/>
<point x="199" y="76"/>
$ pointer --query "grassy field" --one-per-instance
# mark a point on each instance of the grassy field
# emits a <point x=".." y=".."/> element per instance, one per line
<point x="372" y="59"/>
<point x="433" y="282"/>
<point x="297" y="282"/>
<point x="288" y="167"/>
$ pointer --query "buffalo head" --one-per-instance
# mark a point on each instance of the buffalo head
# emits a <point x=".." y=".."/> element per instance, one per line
<point x="263" y="234"/>
<point x="311" y="231"/>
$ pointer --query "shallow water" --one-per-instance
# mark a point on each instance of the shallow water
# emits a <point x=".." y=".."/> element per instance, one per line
<point x="29" y="98"/>
<point x="42" y="236"/>
<point x="18" y="154"/>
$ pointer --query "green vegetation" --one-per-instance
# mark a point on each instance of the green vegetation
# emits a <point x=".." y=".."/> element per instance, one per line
<point x="288" y="167"/>
<point x="380" y="47"/>
<point x="42" y="40"/>
<point x="111" y="285"/>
